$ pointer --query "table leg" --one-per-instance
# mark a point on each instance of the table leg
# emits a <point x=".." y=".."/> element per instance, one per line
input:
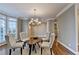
<point x="34" y="48"/>
<point x="30" y="46"/>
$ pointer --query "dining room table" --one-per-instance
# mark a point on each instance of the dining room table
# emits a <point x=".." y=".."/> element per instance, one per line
<point x="32" y="43"/>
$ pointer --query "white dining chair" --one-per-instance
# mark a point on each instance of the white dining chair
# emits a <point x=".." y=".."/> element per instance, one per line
<point x="24" y="37"/>
<point x="48" y="44"/>
<point x="46" y="37"/>
<point x="12" y="44"/>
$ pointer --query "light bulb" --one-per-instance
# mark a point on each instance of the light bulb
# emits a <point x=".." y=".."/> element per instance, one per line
<point x="39" y="22"/>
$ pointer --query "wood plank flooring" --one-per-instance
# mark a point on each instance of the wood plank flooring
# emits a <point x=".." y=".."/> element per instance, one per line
<point x="58" y="49"/>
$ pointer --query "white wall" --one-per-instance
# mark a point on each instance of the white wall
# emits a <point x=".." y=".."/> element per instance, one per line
<point x="25" y="26"/>
<point x="19" y="27"/>
<point x="22" y="26"/>
<point x="78" y="28"/>
<point x="43" y="28"/>
<point x="51" y="26"/>
<point x="67" y="28"/>
<point x="40" y="29"/>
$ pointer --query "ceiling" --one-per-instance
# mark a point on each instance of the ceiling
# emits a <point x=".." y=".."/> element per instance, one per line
<point x="45" y="10"/>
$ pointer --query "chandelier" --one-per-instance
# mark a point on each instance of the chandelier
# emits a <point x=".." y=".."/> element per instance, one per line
<point x="34" y="20"/>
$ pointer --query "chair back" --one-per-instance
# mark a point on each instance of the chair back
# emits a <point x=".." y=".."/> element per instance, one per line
<point x="7" y="41"/>
<point x="23" y="35"/>
<point x="48" y="36"/>
<point x="52" y="39"/>
<point x="12" y="40"/>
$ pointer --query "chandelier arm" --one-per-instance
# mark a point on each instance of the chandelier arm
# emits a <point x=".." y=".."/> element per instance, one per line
<point x="34" y="20"/>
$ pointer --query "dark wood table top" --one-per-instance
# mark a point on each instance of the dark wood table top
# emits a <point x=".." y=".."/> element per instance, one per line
<point x="34" y="40"/>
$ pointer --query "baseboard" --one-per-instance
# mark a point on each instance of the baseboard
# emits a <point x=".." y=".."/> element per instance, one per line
<point x="67" y="47"/>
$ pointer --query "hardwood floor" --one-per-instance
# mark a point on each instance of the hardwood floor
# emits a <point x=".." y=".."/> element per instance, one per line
<point x="58" y="49"/>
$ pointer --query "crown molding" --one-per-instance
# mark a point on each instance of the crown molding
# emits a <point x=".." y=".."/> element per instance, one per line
<point x="64" y="9"/>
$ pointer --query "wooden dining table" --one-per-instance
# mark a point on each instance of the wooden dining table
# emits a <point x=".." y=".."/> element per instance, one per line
<point x="32" y="43"/>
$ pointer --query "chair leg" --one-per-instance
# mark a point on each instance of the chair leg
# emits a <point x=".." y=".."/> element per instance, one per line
<point x="51" y="51"/>
<point x="38" y="45"/>
<point x="23" y="46"/>
<point x="41" y="50"/>
<point x="34" y="48"/>
<point x="9" y="51"/>
<point x="14" y="49"/>
<point x="21" y="51"/>
<point x="30" y="46"/>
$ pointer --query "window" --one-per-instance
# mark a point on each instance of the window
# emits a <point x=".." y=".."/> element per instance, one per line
<point x="7" y="24"/>
<point x="2" y="28"/>
<point x="12" y="23"/>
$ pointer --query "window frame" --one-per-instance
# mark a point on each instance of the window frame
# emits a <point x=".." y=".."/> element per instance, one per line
<point x="6" y="17"/>
<point x="4" y="24"/>
<point x="12" y="21"/>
